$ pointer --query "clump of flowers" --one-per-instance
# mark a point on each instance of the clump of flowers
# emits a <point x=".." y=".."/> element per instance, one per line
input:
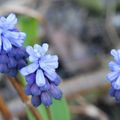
<point x="114" y="75"/>
<point x="42" y="79"/>
<point x="12" y="54"/>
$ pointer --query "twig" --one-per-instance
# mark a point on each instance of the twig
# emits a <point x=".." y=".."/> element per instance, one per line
<point x="89" y="110"/>
<point x="19" y="88"/>
<point x="22" y="10"/>
<point x="4" y="110"/>
<point x="23" y="97"/>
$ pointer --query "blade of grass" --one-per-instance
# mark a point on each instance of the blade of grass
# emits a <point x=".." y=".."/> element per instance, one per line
<point x="31" y="27"/>
<point x="29" y="114"/>
<point x="59" y="110"/>
<point x="43" y="112"/>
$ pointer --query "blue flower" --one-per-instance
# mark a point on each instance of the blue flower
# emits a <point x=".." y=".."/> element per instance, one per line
<point x="43" y="65"/>
<point x="9" y="35"/>
<point x="115" y="93"/>
<point x="114" y="75"/>
<point x="41" y="77"/>
<point x="12" y="55"/>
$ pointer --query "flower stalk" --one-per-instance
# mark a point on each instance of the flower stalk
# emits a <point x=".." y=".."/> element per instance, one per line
<point x="4" y="110"/>
<point x="23" y="97"/>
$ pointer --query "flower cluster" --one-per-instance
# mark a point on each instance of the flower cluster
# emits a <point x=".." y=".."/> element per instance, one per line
<point x="9" y="34"/>
<point x="114" y="75"/>
<point x="42" y="79"/>
<point x="12" y="54"/>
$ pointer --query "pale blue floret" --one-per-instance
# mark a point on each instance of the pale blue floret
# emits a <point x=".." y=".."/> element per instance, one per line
<point x="9" y="35"/>
<point x="44" y="65"/>
<point x="116" y="55"/>
<point x="114" y="75"/>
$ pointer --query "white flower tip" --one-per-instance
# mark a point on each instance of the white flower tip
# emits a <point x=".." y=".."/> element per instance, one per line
<point x="116" y="86"/>
<point x="23" y="34"/>
<point x="118" y="51"/>
<point x="11" y="16"/>
<point x="40" y="79"/>
<point x="40" y="84"/>
<point x="113" y="52"/>
<point x="45" y="46"/>
<point x="56" y="57"/>
<point x="28" y="49"/>
<point x="36" y="46"/>
<point x="42" y="64"/>
<point x="22" y="72"/>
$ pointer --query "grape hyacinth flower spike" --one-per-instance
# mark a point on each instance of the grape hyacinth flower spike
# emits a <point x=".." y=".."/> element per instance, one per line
<point x="42" y="79"/>
<point x="114" y="75"/>
<point x="12" y="54"/>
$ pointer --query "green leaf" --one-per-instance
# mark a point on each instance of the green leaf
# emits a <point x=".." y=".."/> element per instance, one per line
<point x="43" y="112"/>
<point x="31" y="27"/>
<point x="30" y="115"/>
<point x="59" y="110"/>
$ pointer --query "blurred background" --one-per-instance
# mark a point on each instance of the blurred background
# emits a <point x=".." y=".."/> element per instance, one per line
<point x="82" y="33"/>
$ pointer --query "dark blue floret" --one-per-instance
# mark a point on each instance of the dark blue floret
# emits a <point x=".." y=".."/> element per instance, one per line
<point x="115" y="93"/>
<point x="44" y="93"/>
<point x="8" y="62"/>
<point x="36" y="101"/>
<point x="58" y="80"/>
<point x="30" y="79"/>
<point x="55" y="92"/>
<point x="12" y="72"/>
<point x="46" y="86"/>
<point x="12" y="62"/>
<point x="35" y="90"/>
<point x="21" y="52"/>
<point x="3" y="58"/>
<point x="28" y="90"/>
<point x="4" y="68"/>
<point x="21" y="63"/>
<point x="12" y="52"/>
<point x="112" y="92"/>
<point x="46" y="99"/>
